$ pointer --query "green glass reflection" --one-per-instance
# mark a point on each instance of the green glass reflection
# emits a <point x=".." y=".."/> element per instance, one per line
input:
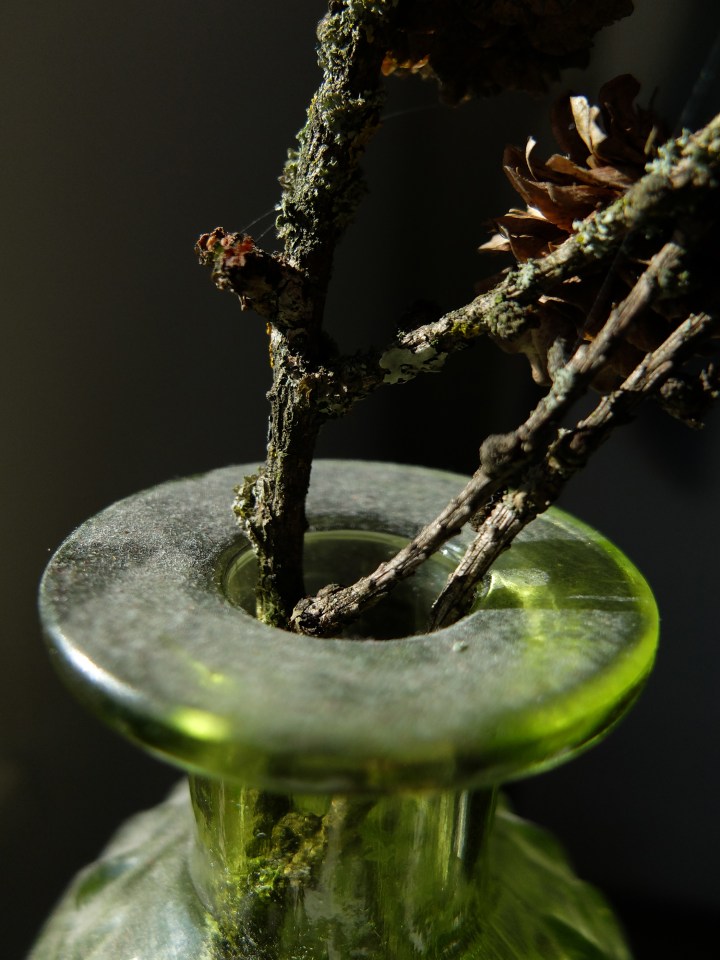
<point x="431" y="876"/>
<point x="393" y="857"/>
<point x="558" y="645"/>
<point x="341" y="556"/>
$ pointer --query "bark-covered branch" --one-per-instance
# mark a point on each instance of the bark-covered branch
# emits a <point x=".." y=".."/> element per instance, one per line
<point x="564" y="457"/>
<point x="504" y="459"/>
<point x="264" y="282"/>
<point x="322" y="180"/>
<point x="322" y="185"/>
<point x="679" y="187"/>
<point x="675" y="187"/>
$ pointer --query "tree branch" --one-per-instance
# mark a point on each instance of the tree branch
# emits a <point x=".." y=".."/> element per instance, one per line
<point x="565" y="456"/>
<point x="322" y="185"/>
<point x="675" y="187"/>
<point x="264" y="282"/>
<point x="503" y="458"/>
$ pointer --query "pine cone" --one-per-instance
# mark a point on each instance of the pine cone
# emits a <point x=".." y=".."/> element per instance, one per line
<point x="606" y="150"/>
<point x="480" y="47"/>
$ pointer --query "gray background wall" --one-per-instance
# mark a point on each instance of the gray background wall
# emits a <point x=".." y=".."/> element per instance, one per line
<point x="128" y="129"/>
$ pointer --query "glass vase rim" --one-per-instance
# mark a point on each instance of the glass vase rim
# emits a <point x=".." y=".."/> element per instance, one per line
<point x="151" y="666"/>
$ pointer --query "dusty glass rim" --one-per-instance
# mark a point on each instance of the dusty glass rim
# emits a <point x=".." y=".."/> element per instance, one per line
<point x="139" y="629"/>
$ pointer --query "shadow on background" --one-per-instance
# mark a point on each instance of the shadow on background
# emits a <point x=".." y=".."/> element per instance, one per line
<point x="128" y="130"/>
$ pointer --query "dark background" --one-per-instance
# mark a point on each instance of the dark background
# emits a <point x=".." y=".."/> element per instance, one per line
<point x="128" y="129"/>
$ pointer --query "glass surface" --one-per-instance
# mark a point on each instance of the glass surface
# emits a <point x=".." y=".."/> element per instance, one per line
<point x="139" y="624"/>
<point x="342" y="789"/>
<point x="340" y="556"/>
<point x="414" y="877"/>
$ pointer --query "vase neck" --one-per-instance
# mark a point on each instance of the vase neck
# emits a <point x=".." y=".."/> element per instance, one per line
<point x="286" y="876"/>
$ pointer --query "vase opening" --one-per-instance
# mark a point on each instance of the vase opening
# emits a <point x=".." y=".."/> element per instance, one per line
<point x="342" y="556"/>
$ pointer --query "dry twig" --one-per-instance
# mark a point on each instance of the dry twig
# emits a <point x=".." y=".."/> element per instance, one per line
<point x="322" y="185"/>
<point x="567" y="454"/>
<point x="505" y="460"/>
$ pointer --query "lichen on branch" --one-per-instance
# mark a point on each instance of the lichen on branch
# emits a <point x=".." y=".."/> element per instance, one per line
<point x="623" y="228"/>
<point x="679" y="183"/>
<point x="527" y="468"/>
<point x="322" y="181"/>
<point x="322" y="184"/>
<point x="508" y="463"/>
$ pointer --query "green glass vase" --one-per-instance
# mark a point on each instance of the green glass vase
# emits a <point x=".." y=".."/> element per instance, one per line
<point x="343" y="793"/>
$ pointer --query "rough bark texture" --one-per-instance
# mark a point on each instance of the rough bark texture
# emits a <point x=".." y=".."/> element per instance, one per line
<point x="322" y="185"/>
<point x="510" y="463"/>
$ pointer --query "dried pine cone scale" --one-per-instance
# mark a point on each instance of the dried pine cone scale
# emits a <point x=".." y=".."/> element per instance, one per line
<point x="560" y="197"/>
<point x="606" y="149"/>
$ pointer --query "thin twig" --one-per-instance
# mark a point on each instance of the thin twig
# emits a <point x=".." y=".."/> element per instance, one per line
<point x="675" y="186"/>
<point x="321" y="187"/>
<point x="503" y="458"/>
<point x="568" y="454"/>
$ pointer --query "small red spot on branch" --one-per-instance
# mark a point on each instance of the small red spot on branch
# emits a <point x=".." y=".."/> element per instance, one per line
<point x="236" y="250"/>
